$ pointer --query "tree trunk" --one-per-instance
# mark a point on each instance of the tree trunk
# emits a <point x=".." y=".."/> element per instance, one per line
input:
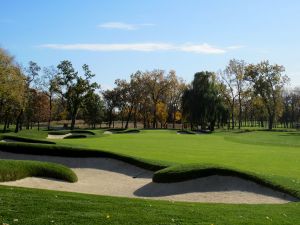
<point x="50" y="112"/>
<point x="240" y="112"/>
<point x="128" y="118"/>
<point x="271" y="121"/>
<point x="18" y="122"/>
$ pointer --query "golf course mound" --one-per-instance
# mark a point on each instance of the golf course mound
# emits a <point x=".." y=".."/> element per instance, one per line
<point x="69" y="134"/>
<point x="10" y="138"/>
<point x="122" y="131"/>
<point x="185" y="132"/>
<point x="12" y="170"/>
<point x="107" y="176"/>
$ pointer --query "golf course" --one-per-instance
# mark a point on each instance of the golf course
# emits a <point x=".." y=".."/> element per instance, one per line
<point x="169" y="177"/>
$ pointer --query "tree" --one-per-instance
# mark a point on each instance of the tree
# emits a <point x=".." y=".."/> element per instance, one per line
<point x="156" y="86"/>
<point x="174" y="93"/>
<point x="49" y="87"/>
<point x="93" y="109"/>
<point x="234" y="86"/>
<point x="12" y="89"/>
<point x="111" y="101"/>
<point x="267" y="82"/>
<point x="161" y="113"/>
<point x="73" y="87"/>
<point x="201" y="101"/>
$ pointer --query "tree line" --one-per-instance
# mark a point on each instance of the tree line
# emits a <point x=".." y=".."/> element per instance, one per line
<point x="240" y="95"/>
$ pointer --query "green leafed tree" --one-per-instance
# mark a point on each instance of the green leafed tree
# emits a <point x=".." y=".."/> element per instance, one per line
<point x="267" y="82"/>
<point x="74" y="88"/>
<point x="201" y="101"/>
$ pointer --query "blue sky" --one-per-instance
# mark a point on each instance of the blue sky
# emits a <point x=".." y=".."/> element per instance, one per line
<point x="116" y="38"/>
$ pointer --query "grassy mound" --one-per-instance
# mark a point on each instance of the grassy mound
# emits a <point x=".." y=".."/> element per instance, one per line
<point x="66" y="151"/>
<point x="64" y="132"/>
<point x="24" y="139"/>
<point x="73" y="136"/>
<point x="123" y="131"/>
<point x="185" y="132"/>
<point x="11" y="170"/>
<point x="188" y="172"/>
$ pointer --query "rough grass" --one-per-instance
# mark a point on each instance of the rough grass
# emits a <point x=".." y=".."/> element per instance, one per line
<point x="11" y="170"/>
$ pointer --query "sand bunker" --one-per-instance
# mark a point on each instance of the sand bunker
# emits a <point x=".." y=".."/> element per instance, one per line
<point x="8" y="140"/>
<point x="52" y="136"/>
<point x="106" y="176"/>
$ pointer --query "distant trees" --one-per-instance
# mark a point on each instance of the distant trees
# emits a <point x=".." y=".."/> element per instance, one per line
<point x="241" y="95"/>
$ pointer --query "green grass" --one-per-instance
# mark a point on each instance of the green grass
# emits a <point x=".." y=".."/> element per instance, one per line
<point x="72" y="136"/>
<point x="11" y="170"/>
<point x="273" y="157"/>
<point x="36" y="207"/>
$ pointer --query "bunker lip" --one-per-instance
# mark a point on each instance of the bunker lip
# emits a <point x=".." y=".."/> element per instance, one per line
<point x="105" y="176"/>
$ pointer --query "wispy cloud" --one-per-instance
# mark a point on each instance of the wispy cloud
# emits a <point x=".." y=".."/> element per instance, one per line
<point x="142" y="47"/>
<point x="123" y="26"/>
<point x="234" y="47"/>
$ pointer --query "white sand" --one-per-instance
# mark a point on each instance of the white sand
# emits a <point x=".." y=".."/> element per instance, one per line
<point x="108" y="132"/>
<point x="8" y="140"/>
<point x="51" y="136"/>
<point x="106" y="176"/>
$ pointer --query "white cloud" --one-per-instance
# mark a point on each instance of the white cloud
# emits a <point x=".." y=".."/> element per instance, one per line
<point x="234" y="47"/>
<point x="202" y="48"/>
<point x="142" y="47"/>
<point x="123" y="26"/>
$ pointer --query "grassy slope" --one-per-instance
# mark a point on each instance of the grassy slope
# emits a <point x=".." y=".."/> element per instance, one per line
<point x="35" y="207"/>
<point x="17" y="169"/>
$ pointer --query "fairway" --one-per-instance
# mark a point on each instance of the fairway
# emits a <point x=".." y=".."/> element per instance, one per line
<point x="278" y="163"/>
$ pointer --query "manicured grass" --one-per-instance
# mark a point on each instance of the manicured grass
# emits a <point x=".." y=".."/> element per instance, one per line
<point x="36" y="207"/>
<point x="72" y="136"/>
<point x="272" y="157"/>
<point x="17" y="169"/>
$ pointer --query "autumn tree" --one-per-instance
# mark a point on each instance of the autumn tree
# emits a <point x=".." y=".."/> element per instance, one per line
<point x="12" y="89"/>
<point x="49" y="87"/>
<point x="174" y="94"/>
<point x="267" y="82"/>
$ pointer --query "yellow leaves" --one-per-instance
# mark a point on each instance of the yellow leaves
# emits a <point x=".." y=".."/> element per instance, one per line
<point x="161" y="112"/>
<point x="178" y="116"/>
